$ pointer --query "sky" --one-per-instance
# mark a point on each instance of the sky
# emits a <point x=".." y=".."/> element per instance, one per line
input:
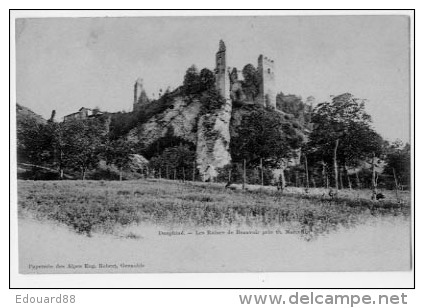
<point x="68" y="63"/>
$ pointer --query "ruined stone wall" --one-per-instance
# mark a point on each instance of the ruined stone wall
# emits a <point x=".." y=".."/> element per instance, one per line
<point x="222" y="78"/>
<point x="267" y="95"/>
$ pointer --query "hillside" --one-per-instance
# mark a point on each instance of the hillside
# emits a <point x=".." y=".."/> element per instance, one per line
<point x="204" y="122"/>
<point x="23" y="112"/>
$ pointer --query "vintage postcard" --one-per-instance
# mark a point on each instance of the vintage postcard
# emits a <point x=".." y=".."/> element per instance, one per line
<point x="187" y="144"/>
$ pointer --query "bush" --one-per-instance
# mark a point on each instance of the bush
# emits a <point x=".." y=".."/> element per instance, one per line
<point x="104" y="174"/>
<point x="38" y="174"/>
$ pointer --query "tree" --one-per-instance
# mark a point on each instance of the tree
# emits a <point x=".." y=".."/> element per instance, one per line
<point x="398" y="163"/>
<point x="207" y="79"/>
<point x="265" y="134"/>
<point x="293" y="104"/>
<point x="234" y="173"/>
<point x="251" y="82"/>
<point x="290" y="103"/>
<point x="58" y="131"/>
<point x="342" y="134"/>
<point x="34" y="142"/>
<point x="178" y="159"/>
<point x="117" y="152"/>
<point x="192" y="83"/>
<point x="82" y="144"/>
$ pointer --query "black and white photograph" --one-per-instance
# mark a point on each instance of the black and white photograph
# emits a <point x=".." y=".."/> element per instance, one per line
<point x="213" y="144"/>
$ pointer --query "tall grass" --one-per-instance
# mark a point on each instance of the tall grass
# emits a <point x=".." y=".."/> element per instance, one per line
<point x="96" y="206"/>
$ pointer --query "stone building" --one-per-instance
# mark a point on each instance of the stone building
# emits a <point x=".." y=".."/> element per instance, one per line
<point x="82" y="114"/>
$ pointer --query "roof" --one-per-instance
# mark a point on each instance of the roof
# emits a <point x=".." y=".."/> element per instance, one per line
<point x="74" y="113"/>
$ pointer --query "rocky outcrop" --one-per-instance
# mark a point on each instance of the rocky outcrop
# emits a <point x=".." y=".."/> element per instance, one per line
<point x="180" y="118"/>
<point x="213" y="141"/>
<point x="185" y="118"/>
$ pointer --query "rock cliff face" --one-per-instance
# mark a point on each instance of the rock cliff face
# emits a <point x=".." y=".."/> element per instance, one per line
<point x="210" y="132"/>
<point x="181" y="118"/>
<point x="213" y="141"/>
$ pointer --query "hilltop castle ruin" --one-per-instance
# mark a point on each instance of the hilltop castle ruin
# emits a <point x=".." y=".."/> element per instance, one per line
<point x="226" y="81"/>
<point x="210" y="131"/>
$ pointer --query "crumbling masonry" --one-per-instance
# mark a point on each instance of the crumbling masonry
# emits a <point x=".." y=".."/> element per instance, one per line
<point x="225" y="84"/>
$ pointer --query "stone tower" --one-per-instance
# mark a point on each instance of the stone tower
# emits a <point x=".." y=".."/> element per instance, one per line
<point x="140" y="96"/>
<point x="267" y="85"/>
<point x="221" y="75"/>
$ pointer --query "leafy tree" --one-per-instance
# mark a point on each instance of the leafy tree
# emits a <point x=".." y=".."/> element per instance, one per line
<point x="179" y="159"/>
<point x="251" y="82"/>
<point x="82" y="144"/>
<point x="233" y="173"/>
<point x="118" y="152"/>
<point x="207" y="79"/>
<point x="34" y="142"/>
<point x="290" y="103"/>
<point x="342" y="134"/>
<point x="264" y="134"/>
<point x="398" y="163"/>
<point x="192" y="82"/>
<point x="195" y="82"/>
<point x="122" y="122"/>
<point x="58" y="131"/>
<point x="293" y="104"/>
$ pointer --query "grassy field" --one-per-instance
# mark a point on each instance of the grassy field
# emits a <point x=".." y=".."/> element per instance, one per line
<point x="100" y="206"/>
